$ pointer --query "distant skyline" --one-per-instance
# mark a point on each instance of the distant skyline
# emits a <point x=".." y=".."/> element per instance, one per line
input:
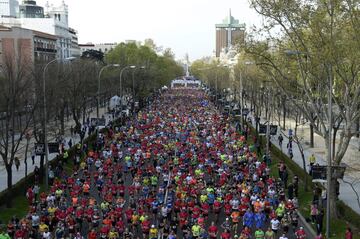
<point x="186" y="26"/>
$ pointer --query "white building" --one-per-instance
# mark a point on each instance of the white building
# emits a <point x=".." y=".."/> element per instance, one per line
<point x="55" y="23"/>
<point x="103" y="47"/>
<point x="74" y="49"/>
<point x="9" y="8"/>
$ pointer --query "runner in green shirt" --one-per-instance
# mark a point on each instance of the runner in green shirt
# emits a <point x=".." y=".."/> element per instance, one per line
<point x="269" y="234"/>
<point x="259" y="234"/>
<point x="4" y="235"/>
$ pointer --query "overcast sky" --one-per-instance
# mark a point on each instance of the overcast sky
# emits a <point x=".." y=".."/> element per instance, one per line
<point x="186" y="26"/>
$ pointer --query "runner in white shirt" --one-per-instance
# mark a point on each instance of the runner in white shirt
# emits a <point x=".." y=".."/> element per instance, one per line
<point x="275" y="224"/>
<point x="235" y="204"/>
<point x="283" y="236"/>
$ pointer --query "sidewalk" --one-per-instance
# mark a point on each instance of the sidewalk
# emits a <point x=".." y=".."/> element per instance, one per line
<point x="347" y="194"/>
<point x="18" y="175"/>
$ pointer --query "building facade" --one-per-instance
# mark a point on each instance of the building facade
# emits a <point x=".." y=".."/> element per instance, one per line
<point x="9" y="8"/>
<point x="228" y="33"/>
<point x="29" y="9"/>
<point x="53" y="22"/>
<point x="103" y="47"/>
<point x="44" y="46"/>
<point x="74" y="48"/>
<point x="25" y="46"/>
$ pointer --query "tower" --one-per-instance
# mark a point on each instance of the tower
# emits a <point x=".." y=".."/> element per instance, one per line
<point x="29" y="9"/>
<point x="229" y="33"/>
<point x="60" y="13"/>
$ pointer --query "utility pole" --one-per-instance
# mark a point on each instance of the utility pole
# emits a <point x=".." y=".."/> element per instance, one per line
<point x="329" y="157"/>
<point x="241" y="101"/>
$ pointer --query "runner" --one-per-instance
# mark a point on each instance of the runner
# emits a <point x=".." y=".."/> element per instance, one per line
<point x="178" y="164"/>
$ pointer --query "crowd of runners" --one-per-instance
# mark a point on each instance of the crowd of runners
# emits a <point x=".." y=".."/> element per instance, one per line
<point x="177" y="169"/>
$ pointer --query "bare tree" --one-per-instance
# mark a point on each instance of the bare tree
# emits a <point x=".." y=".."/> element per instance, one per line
<point x="16" y="100"/>
<point x="318" y="41"/>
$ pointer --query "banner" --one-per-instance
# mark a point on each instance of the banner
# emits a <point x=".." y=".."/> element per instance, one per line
<point x="273" y="129"/>
<point x="39" y="149"/>
<point x="53" y="148"/>
<point x="319" y="172"/>
<point x="262" y="129"/>
<point x="97" y="122"/>
<point x="245" y="111"/>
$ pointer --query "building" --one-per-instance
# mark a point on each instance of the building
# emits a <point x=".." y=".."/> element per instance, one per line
<point x="74" y="48"/>
<point x="44" y="46"/>
<point x="229" y="33"/>
<point x="54" y="22"/>
<point x="25" y="45"/>
<point x="9" y="8"/>
<point x="103" y="47"/>
<point x="29" y="9"/>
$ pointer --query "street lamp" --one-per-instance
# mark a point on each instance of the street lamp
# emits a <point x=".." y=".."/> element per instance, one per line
<point x="121" y="72"/>
<point x="241" y="91"/>
<point x="45" y="113"/>
<point x="268" y="112"/>
<point x="216" y="80"/>
<point x="329" y="156"/>
<point x="133" y="81"/>
<point x="98" y="90"/>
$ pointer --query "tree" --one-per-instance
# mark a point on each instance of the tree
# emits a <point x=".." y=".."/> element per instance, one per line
<point x="80" y="86"/>
<point x="168" y="53"/>
<point x="16" y="100"/>
<point x="158" y="70"/>
<point x="315" y="41"/>
<point x="93" y="55"/>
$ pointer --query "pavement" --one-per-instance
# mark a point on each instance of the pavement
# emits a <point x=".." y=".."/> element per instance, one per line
<point x="349" y="186"/>
<point x="20" y="174"/>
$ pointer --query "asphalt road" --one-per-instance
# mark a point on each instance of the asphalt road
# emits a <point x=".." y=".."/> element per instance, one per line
<point x="166" y="129"/>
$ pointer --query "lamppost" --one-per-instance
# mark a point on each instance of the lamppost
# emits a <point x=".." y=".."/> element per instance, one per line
<point x="216" y="80"/>
<point x="133" y="81"/>
<point x="45" y="116"/>
<point x="121" y="72"/>
<point x="329" y="155"/>
<point x="329" y="163"/>
<point x="241" y="91"/>
<point x="268" y="113"/>
<point x="98" y="89"/>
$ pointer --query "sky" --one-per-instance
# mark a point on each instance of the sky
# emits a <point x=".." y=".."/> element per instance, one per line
<point x="186" y="26"/>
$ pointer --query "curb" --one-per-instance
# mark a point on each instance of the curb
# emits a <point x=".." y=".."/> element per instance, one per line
<point x="307" y="226"/>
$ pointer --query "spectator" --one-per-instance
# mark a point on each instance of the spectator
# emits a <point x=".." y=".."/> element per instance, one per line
<point x="33" y="155"/>
<point x="319" y="220"/>
<point x="17" y="163"/>
<point x="280" y="139"/>
<point x="348" y="233"/>
<point x="313" y="212"/>
<point x="312" y="161"/>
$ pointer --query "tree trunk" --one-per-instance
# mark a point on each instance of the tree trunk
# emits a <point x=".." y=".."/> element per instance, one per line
<point x="304" y="165"/>
<point x="62" y="120"/>
<point x="25" y="159"/>
<point x="84" y="114"/>
<point x="333" y="199"/>
<point x="311" y="135"/>
<point x="8" y="168"/>
<point x="335" y="130"/>
<point x="42" y="170"/>
<point x="284" y="111"/>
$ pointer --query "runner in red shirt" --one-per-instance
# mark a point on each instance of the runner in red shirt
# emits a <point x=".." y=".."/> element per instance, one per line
<point x="213" y="230"/>
<point x="225" y="235"/>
